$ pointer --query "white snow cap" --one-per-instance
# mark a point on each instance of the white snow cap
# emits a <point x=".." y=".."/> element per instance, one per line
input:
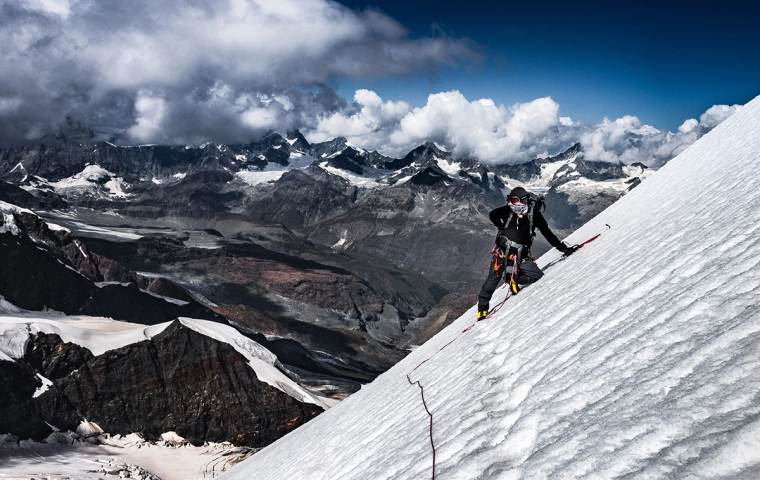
<point x="638" y="356"/>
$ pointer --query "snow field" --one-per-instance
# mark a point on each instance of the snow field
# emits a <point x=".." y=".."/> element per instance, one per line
<point x="63" y="456"/>
<point x="637" y="357"/>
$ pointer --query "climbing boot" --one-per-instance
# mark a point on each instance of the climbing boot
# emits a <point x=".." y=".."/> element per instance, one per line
<point x="482" y="314"/>
<point x="514" y="287"/>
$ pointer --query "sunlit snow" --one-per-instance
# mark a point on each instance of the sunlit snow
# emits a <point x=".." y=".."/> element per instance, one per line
<point x="369" y="180"/>
<point x="62" y="456"/>
<point x="452" y="169"/>
<point x="637" y="357"/>
<point x="89" y="178"/>
<point x="273" y="171"/>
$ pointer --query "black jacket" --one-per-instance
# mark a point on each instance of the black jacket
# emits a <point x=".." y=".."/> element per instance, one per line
<point x="518" y="229"/>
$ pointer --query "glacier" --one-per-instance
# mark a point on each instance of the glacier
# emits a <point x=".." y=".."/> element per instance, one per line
<point x="637" y="357"/>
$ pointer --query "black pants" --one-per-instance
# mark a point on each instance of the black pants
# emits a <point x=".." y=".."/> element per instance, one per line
<point x="527" y="273"/>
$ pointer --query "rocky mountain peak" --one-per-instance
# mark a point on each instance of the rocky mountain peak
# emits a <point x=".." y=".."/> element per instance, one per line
<point x="325" y="149"/>
<point x="297" y="140"/>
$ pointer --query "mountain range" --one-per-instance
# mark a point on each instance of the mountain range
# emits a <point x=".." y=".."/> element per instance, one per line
<point x="332" y="260"/>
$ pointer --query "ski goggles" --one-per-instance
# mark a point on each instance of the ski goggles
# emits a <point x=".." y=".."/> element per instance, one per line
<point x="514" y="200"/>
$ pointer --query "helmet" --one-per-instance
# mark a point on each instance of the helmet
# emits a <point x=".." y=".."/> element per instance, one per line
<point x="519" y="193"/>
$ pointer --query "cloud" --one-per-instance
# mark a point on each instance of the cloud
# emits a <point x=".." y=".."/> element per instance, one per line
<point x="628" y="141"/>
<point x="715" y="115"/>
<point x="252" y="63"/>
<point x="479" y="128"/>
<point x="369" y="119"/>
<point x="498" y="134"/>
<point x="226" y="71"/>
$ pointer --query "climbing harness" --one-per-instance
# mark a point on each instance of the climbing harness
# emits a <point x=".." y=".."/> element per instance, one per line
<point x="501" y="258"/>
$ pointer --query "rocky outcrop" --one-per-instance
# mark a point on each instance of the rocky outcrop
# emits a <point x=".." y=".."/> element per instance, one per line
<point x="53" y="358"/>
<point x="40" y="268"/>
<point x="186" y="382"/>
<point x="33" y="279"/>
<point x="17" y="413"/>
<point x="179" y="380"/>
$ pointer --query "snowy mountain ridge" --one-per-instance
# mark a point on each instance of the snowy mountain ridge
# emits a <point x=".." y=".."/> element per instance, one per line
<point x="637" y="357"/>
<point x="99" y="335"/>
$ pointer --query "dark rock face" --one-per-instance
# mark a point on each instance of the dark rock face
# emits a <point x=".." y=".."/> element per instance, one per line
<point x="560" y="213"/>
<point x="183" y="381"/>
<point x="17" y="413"/>
<point x="21" y="413"/>
<point x="300" y="198"/>
<point x="430" y="176"/>
<point x="53" y="358"/>
<point x="325" y="149"/>
<point x="60" y="276"/>
<point x="62" y="245"/>
<point x="31" y="278"/>
<point x="419" y="154"/>
<point x="396" y="224"/>
<point x="167" y="288"/>
<point x="42" y="199"/>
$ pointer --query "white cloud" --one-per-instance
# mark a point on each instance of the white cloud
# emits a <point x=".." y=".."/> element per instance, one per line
<point x="497" y="134"/>
<point x="688" y="125"/>
<point x="225" y="71"/>
<point x="151" y="112"/>
<point x="715" y="115"/>
<point x="90" y="59"/>
<point x="627" y="140"/>
<point x="368" y="121"/>
<point x="479" y="128"/>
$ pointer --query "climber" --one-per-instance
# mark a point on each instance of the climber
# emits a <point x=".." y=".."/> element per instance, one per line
<point x="516" y="221"/>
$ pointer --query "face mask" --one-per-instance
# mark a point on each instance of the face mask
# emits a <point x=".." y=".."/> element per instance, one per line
<point x="519" y="209"/>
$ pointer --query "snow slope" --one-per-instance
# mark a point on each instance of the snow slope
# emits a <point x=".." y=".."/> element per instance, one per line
<point x="637" y="357"/>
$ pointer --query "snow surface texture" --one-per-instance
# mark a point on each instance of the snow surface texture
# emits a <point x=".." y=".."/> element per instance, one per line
<point x="64" y="456"/>
<point x="100" y="335"/>
<point x="637" y="357"/>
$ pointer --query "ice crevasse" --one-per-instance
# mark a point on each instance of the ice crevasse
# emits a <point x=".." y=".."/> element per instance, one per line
<point x="637" y="357"/>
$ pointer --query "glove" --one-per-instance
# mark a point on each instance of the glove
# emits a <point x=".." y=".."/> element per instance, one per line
<point x="501" y="238"/>
<point x="566" y="249"/>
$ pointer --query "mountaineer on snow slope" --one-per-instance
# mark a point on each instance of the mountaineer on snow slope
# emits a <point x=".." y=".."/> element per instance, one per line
<point x="517" y="222"/>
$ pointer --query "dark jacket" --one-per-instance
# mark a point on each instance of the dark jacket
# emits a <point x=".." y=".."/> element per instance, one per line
<point x="518" y="229"/>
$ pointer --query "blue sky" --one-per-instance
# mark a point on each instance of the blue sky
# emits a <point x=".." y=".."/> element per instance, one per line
<point x="387" y="75"/>
<point x="662" y="61"/>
